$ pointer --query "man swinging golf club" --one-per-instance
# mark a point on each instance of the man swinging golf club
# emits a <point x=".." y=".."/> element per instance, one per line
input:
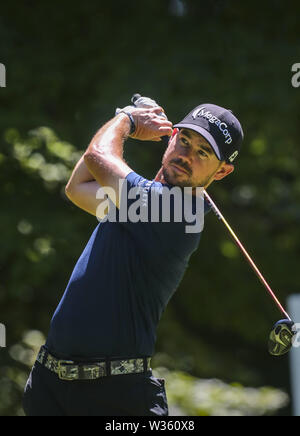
<point x="96" y="360"/>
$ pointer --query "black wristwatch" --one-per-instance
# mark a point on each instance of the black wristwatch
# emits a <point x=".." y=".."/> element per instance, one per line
<point x="132" y="127"/>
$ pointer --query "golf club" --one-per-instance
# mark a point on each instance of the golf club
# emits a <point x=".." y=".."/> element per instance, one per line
<point x="283" y="331"/>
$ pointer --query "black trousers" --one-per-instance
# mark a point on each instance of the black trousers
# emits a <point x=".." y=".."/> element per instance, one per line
<point x="118" y="395"/>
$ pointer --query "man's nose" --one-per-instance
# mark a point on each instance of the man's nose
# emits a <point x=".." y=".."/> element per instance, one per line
<point x="185" y="163"/>
<point x="186" y="155"/>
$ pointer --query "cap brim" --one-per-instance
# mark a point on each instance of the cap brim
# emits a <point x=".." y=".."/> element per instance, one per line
<point x="203" y="133"/>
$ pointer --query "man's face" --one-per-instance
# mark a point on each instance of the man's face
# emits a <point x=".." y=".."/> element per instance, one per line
<point x="190" y="161"/>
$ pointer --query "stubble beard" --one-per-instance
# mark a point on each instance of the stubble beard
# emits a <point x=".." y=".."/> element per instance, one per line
<point x="185" y="182"/>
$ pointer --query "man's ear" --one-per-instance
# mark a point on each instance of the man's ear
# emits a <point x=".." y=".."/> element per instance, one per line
<point x="223" y="171"/>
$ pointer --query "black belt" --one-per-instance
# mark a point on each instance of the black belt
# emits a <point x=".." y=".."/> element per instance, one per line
<point x="70" y="370"/>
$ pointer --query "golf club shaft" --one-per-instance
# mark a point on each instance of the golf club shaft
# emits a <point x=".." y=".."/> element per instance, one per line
<point x="243" y="250"/>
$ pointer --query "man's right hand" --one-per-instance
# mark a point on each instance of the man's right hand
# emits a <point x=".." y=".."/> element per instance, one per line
<point x="150" y="125"/>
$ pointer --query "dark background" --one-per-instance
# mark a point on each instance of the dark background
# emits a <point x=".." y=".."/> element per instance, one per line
<point x="68" y="66"/>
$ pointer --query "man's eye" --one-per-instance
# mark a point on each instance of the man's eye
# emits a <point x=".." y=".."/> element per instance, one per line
<point x="184" y="141"/>
<point x="202" y="153"/>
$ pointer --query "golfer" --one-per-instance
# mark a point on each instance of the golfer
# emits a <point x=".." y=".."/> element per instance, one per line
<point x="96" y="360"/>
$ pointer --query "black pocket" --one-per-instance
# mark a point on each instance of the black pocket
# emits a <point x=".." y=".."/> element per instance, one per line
<point x="157" y="403"/>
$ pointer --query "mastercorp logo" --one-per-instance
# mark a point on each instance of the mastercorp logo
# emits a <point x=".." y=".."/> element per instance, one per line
<point x="200" y="112"/>
<point x="2" y="336"/>
<point x="2" y="76"/>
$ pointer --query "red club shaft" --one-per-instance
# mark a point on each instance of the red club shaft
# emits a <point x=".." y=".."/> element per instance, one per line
<point x="246" y="254"/>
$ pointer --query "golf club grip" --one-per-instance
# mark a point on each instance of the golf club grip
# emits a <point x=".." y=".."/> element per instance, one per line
<point x="137" y="96"/>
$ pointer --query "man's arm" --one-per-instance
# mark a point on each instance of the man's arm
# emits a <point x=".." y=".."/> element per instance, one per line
<point x="82" y="189"/>
<point x="104" y="156"/>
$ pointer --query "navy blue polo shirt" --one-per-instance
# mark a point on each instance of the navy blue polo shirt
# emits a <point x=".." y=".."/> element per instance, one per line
<point x="122" y="283"/>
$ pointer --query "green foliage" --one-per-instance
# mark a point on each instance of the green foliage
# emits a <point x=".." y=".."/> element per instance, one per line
<point x="68" y="66"/>
<point x="190" y="396"/>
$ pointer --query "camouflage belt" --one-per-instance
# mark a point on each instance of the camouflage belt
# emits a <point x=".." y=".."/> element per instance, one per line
<point x="69" y="370"/>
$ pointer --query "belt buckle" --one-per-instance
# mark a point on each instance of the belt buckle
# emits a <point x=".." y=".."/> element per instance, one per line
<point x="63" y="367"/>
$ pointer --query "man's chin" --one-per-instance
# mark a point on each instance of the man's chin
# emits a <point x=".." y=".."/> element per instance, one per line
<point x="181" y="180"/>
